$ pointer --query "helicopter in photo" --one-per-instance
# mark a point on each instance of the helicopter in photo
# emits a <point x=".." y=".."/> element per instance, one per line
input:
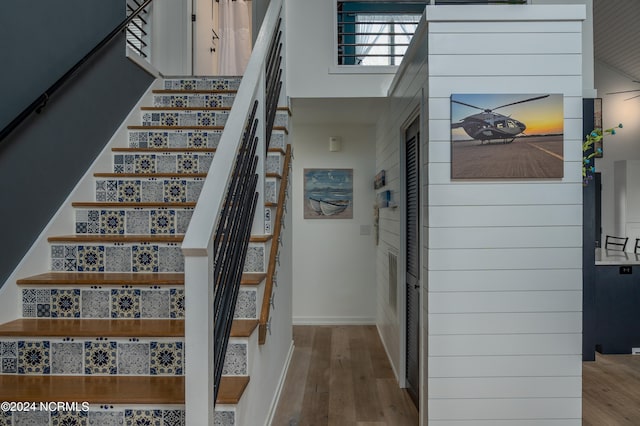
<point x="492" y="127"/>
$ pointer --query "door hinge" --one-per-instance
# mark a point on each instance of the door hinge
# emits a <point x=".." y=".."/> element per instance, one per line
<point x="193" y="17"/>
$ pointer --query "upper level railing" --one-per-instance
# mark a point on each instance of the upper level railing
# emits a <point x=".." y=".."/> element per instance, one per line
<point x="378" y="32"/>
<point x="138" y="29"/>
<point x="234" y="167"/>
<point x="41" y="101"/>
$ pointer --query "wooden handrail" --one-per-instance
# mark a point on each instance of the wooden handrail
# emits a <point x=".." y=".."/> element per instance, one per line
<point x="268" y="289"/>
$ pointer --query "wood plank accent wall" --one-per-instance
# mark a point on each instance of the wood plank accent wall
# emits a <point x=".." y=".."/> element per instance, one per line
<point x="502" y="280"/>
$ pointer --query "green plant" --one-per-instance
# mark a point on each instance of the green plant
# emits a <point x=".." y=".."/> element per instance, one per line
<point x="589" y="152"/>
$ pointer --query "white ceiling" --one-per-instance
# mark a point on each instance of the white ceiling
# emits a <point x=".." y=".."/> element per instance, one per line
<point x="337" y="110"/>
<point x="616" y="35"/>
<point x="616" y="43"/>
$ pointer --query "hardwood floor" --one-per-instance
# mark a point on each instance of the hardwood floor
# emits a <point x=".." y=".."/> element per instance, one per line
<point x="611" y="391"/>
<point x="340" y="375"/>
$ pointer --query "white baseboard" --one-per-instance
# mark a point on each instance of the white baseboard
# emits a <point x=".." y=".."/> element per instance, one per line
<point x="283" y="376"/>
<point x="386" y="350"/>
<point x="334" y="321"/>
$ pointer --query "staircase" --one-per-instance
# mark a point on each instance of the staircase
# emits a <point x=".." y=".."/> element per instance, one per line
<point x="103" y="331"/>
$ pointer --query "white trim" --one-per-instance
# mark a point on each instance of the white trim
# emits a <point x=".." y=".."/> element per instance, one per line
<point x="363" y="69"/>
<point x="416" y="114"/>
<point x="513" y="13"/>
<point x="142" y="63"/>
<point x="334" y="321"/>
<point x="386" y="350"/>
<point x="276" y="396"/>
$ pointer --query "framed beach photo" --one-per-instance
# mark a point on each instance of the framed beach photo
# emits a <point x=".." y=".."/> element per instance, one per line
<point x="328" y="193"/>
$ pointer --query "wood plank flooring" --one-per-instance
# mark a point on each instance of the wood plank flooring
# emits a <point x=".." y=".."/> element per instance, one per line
<point x="611" y="391"/>
<point x="340" y="375"/>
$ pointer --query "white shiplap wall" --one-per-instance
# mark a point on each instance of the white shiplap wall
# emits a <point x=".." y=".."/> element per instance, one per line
<point x="502" y="259"/>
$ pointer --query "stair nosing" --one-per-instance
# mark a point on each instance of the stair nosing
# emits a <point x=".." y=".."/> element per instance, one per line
<point x="104" y="278"/>
<point x="110" y="389"/>
<point x="149" y="175"/>
<point x="239" y="384"/>
<point x="164" y="149"/>
<point x="93" y="327"/>
<point x="130" y="204"/>
<point x="124" y="278"/>
<point x="185" y="108"/>
<point x="243" y="328"/>
<point x="137" y="127"/>
<point x="117" y="238"/>
<point x="194" y="91"/>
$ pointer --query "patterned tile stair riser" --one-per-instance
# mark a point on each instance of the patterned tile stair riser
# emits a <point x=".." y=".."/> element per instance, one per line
<point x="120" y="303"/>
<point x="185" y="118"/>
<point x="150" y="190"/>
<point x="99" y="415"/>
<point x="162" y="163"/>
<point x="194" y="101"/>
<point x="126" y="302"/>
<point x="56" y="355"/>
<point x="174" y="138"/>
<point x="117" y="257"/>
<point x="133" y="221"/>
<point x="97" y="356"/>
<point x="230" y="83"/>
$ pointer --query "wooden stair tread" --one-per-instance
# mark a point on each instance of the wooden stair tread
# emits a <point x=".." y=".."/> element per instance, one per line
<point x="93" y="389"/>
<point x="82" y="327"/>
<point x="150" y="175"/>
<point x="103" y="204"/>
<point x="178" y="91"/>
<point x="122" y="278"/>
<point x="186" y="108"/>
<point x="231" y="389"/>
<point x="122" y="238"/>
<point x="252" y="278"/>
<point x="243" y="327"/>
<point x="284" y="108"/>
<point x="164" y="149"/>
<point x="137" y="127"/>
<point x="280" y="128"/>
<point x="105" y="278"/>
<point x="276" y="150"/>
<point x="274" y="175"/>
<point x="116" y="238"/>
<point x="260" y="238"/>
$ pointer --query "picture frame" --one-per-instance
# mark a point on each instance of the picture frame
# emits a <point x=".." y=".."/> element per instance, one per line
<point x="328" y="194"/>
<point x="597" y="124"/>
<point x="507" y="136"/>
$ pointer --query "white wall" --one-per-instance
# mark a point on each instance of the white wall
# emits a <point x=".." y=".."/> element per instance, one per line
<point x="406" y="101"/>
<point x="625" y="145"/>
<point x="311" y="56"/>
<point x="333" y="264"/>
<point x="502" y="261"/>
<point x="205" y="62"/>
<point x="171" y="34"/>
<point x="505" y="307"/>
<point x="587" y="44"/>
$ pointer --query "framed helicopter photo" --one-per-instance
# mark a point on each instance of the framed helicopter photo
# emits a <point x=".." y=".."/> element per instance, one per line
<point x="507" y="136"/>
